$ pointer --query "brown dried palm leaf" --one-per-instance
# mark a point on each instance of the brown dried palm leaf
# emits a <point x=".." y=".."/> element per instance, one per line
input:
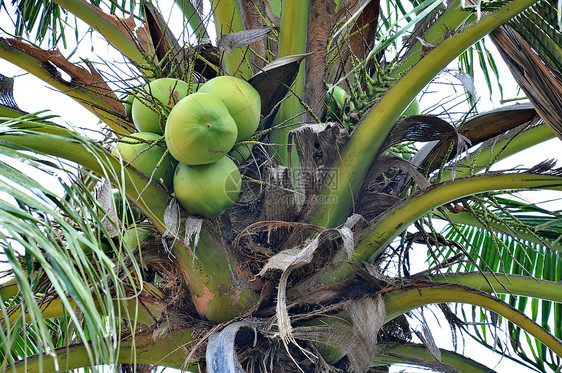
<point x="7" y="94"/>
<point x="354" y="40"/>
<point x="540" y="81"/>
<point x="541" y="26"/>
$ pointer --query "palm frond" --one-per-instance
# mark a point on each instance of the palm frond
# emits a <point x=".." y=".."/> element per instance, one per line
<point x="531" y="47"/>
<point x="48" y="21"/>
<point x="63" y="259"/>
<point x="7" y="100"/>
<point x="539" y="26"/>
<point x="479" y="55"/>
<point x="540" y="81"/>
<point x="496" y="249"/>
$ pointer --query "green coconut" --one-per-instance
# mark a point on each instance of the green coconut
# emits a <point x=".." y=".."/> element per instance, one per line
<point x="336" y="100"/>
<point x="153" y="102"/>
<point x="240" y="98"/>
<point x="129" y="105"/>
<point x="200" y="130"/>
<point x="241" y="152"/>
<point x="207" y="190"/>
<point x="146" y="160"/>
<point x="85" y="244"/>
<point x="136" y="235"/>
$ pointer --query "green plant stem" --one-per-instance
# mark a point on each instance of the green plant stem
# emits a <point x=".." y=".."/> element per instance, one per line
<point x="505" y="283"/>
<point x="145" y="313"/>
<point x="8" y="112"/>
<point x="473" y="284"/>
<point x="418" y="354"/>
<point x="62" y="143"/>
<point x="401" y="301"/>
<point x="170" y="351"/>
<point x="116" y="32"/>
<point x="214" y="287"/>
<point x="8" y="289"/>
<point x="378" y="236"/>
<point x="294" y="16"/>
<point x="218" y="294"/>
<point x="368" y="138"/>
<point x="228" y="19"/>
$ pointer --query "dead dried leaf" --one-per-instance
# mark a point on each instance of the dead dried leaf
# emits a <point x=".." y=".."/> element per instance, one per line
<point x="539" y="80"/>
<point x="7" y="93"/>
<point x="367" y="316"/>
<point x="274" y="80"/>
<point x="172" y="223"/>
<point x="104" y="196"/>
<point x="192" y="231"/>
<point x="290" y="259"/>
<point x="221" y="352"/>
<point x="243" y="38"/>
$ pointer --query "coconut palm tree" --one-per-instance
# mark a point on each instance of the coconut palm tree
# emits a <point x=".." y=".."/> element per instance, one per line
<point x="311" y="269"/>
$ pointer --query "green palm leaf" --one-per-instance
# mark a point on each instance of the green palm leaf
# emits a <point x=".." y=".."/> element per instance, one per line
<point x="62" y="256"/>
<point x="48" y="21"/>
<point x="497" y="249"/>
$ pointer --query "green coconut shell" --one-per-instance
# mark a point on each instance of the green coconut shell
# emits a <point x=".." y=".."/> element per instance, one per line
<point x="137" y="234"/>
<point x="336" y="100"/>
<point x="146" y="161"/>
<point x="200" y="130"/>
<point x="155" y="99"/>
<point x="207" y="190"/>
<point x="241" y="152"/>
<point x="129" y="105"/>
<point x="240" y="98"/>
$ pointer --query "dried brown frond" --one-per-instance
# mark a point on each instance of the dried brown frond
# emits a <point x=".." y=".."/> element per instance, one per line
<point x="79" y="77"/>
<point x="7" y="93"/>
<point x="541" y="82"/>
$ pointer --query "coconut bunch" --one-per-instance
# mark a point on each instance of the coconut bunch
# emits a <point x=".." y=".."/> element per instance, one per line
<point x="184" y="138"/>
